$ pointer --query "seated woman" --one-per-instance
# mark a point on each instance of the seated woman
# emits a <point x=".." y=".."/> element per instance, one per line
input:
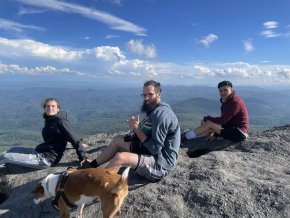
<point x="56" y="133"/>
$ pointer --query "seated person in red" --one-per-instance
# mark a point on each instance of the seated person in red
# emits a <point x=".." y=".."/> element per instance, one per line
<point x="233" y="124"/>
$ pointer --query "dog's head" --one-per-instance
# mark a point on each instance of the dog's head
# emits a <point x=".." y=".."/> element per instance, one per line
<point x="40" y="192"/>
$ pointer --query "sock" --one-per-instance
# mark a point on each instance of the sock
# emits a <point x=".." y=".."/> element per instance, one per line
<point x="190" y="134"/>
<point x="94" y="163"/>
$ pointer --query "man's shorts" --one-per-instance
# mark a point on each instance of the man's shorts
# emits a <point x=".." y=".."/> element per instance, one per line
<point x="233" y="133"/>
<point x="147" y="166"/>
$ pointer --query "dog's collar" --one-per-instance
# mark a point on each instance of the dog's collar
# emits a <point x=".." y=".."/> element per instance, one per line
<point x="62" y="179"/>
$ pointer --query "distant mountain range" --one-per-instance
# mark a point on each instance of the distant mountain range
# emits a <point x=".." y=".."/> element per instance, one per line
<point x="95" y="110"/>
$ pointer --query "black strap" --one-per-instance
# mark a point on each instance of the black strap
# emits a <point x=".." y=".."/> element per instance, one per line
<point x="60" y="193"/>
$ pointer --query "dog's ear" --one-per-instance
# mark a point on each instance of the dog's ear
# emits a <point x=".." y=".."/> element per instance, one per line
<point x="38" y="190"/>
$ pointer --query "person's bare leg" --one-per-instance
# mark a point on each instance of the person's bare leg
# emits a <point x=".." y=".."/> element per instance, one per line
<point x="112" y="149"/>
<point x="207" y="128"/>
<point x="123" y="159"/>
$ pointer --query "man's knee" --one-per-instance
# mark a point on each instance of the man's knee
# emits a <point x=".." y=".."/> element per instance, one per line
<point x="119" y="158"/>
<point x="214" y="127"/>
<point x="118" y="141"/>
<point x="118" y="138"/>
<point x="208" y="123"/>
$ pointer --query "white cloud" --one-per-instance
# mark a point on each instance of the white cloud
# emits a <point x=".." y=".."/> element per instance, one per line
<point x="101" y="16"/>
<point x="248" y="45"/>
<point x="284" y="74"/>
<point x="108" y="53"/>
<point x="137" y="47"/>
<point x="17" y="27"/>
<point x="207" y="40"/>
<point x="269" y="31"/>
<point x="270" y="34"/>
<point x="24" y="47"/>
<point x="111" y="63"/>
<point x="271" y="24"/>
<point x="43" y="70"/>
<point x="23" y="11"/>
<point x="30" y="50"/>
<point x="111" y="36"/>
<point x="238" y="73"/>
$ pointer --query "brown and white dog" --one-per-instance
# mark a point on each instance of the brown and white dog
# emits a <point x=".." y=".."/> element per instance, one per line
<point x="83" y="186"/>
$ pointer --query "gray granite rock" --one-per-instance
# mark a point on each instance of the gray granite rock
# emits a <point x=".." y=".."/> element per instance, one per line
<point x="248" y="179"/>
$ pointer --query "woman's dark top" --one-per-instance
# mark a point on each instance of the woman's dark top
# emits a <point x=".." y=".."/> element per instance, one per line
<point x="56" y="133"/>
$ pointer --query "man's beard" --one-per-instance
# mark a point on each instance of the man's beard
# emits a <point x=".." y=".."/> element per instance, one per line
<point x="148" y="107"/>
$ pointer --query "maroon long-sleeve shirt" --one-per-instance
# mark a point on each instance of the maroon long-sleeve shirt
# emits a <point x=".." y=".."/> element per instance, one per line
<point x="233" y="113"/>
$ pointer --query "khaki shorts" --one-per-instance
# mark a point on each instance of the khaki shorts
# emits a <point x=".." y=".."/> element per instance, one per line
<point x="148" y="168"/>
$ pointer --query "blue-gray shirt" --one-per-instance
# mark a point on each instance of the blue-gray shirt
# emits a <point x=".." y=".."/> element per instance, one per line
<point x="164" y="141"/>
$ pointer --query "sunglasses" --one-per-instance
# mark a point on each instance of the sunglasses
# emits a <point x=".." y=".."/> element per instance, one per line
<point x="149" y="95"/>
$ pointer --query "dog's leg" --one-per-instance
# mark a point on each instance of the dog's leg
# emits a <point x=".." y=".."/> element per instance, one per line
<point x="80" y="211"/>
<point x="111" y="206"/>
<point x="63" y="209"/>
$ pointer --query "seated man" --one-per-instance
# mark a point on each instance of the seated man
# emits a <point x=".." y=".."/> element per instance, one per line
<point x="152" y="149"/>
<point x="233" y="124"/>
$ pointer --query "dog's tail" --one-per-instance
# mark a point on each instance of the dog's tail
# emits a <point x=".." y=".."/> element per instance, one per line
<point x="125" y="174"/>
<point x="123" y="181"/>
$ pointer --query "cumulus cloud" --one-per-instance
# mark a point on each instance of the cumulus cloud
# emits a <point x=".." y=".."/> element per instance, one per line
<point x="207" y="40"/>
<point x="137" y="47"/>
<point x="23" y="47"/>
<point x="101" y="16"/>
<point x="248" y="45"/>
<point x="17" y="27"/>
<point x="110" y="62"/>
<point x="30" y="49"/>
<point x="108" y="53"/>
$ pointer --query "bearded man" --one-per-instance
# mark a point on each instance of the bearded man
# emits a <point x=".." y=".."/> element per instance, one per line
<point x="152" y="147"/>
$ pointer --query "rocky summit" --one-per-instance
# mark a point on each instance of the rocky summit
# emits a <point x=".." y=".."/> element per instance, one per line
<point x="248" y="179"/>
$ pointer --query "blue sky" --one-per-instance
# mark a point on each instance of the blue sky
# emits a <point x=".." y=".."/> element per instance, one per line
<point x="174" y="42"/>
